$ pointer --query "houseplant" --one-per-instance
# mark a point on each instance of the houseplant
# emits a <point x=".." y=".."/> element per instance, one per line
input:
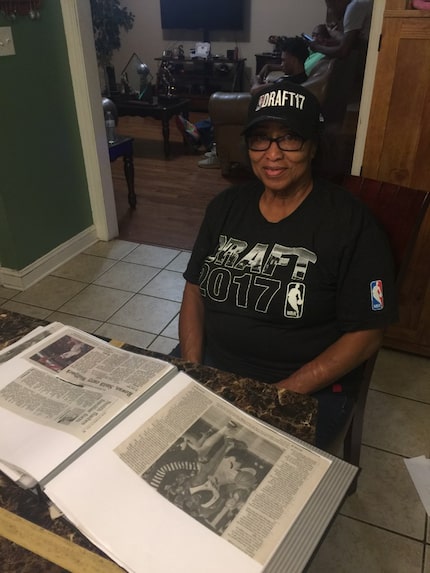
<point x="109" y="19"/>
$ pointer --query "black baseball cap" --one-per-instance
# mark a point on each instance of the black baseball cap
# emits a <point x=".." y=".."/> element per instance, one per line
<point x="289" y="103"/>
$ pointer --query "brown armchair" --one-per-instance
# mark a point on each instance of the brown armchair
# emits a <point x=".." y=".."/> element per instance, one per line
<point x="228" y="111"/>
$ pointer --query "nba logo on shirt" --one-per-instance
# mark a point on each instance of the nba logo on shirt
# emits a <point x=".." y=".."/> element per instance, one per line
<point x="376" y="295"/>
<point x="295" y="300"/>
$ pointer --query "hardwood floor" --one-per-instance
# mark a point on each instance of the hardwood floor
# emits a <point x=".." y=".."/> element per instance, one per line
<point x="172" y="194"/>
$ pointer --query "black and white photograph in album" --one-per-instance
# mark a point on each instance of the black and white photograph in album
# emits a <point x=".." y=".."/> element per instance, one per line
<point x="61" y="353"/>
<point x="212" y="469"/>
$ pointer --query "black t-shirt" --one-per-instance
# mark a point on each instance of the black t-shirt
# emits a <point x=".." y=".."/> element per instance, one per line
<point x="277" y="294"/>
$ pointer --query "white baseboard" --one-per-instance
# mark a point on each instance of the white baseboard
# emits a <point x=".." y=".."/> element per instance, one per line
<point x="24" y="278"/>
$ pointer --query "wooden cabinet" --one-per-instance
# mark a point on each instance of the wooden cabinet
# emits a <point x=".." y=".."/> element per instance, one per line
<point x="397" y="150"/>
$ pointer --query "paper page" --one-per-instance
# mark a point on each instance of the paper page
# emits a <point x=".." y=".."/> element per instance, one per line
<point x="419" y="470"/>
<point x="129" y="520"/>
<point x="36" y="335"/>
<point x="60" y="392"/>
<point x="17" y="476"/>
<point x="122" y="512"/>
<point x="32" y="447"/>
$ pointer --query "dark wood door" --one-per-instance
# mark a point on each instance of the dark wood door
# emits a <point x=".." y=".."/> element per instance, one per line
<point x="397" y="150"/>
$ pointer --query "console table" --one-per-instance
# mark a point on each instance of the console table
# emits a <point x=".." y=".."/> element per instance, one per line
<point x="163" y="109"/>
<point x="198" y="78"/>
<point x="30" y="540"/>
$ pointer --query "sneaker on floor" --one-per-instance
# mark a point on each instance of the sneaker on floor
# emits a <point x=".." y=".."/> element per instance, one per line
<point x="211" y="152"/>
<point x="211" y="162"/>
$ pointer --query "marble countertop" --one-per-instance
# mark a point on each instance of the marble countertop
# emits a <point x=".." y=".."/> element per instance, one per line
<point x="297" y="417"/>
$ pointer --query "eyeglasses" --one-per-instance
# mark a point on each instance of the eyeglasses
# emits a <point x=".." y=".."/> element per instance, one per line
<point x="287" y="142"/>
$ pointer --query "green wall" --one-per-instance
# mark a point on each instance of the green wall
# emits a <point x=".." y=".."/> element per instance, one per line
<point x="44" y="198"/>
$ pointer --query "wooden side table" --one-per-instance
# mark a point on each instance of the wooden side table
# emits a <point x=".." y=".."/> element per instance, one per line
<point x="123" y="147"/>
<point x="162" y="110"/>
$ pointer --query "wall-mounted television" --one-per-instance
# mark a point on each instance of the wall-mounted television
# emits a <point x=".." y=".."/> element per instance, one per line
<point x="202" y="14"/>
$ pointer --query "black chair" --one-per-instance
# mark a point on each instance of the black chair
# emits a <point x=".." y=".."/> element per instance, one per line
<point x="400" y="211"/>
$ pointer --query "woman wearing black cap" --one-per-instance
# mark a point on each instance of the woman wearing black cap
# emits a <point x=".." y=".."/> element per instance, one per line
<point x="290" y="280"/>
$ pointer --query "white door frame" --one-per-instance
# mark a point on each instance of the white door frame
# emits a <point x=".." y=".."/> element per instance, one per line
<point x="369" y="80"/>
<point x="86" y="87"/>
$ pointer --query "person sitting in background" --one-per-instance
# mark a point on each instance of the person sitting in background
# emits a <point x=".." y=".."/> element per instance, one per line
<point x="294" y="52"/>
<point x="280" y="283"/>
<point x="320" y="35"/>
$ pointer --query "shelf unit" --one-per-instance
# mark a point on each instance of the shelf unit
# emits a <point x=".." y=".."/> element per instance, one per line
<point x="197" y="78"/>
<point x="266" y="58"/>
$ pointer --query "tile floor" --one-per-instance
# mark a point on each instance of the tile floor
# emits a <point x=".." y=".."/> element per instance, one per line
<point x="132" y="292"/>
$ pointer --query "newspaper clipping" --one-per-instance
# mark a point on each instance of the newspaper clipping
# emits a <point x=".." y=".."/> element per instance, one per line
<point x="36" y="335"/>
<point x="77" y="384"/>
<point x="244" y="481"/>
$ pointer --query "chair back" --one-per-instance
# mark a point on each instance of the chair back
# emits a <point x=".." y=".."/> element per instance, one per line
<point x="399" y="211"/>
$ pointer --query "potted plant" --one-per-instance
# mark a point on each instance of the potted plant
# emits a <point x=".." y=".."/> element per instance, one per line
<point x="109" y="18"/>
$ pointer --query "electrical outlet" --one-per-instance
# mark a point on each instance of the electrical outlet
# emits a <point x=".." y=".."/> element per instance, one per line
<point x="6" y="42"/>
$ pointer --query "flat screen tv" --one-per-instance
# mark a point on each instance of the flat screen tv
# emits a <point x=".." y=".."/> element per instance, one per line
<point x="202" y="14"/>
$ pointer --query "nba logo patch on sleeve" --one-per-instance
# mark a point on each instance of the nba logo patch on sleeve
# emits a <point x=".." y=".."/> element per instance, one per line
<point x="377" y="295"/>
